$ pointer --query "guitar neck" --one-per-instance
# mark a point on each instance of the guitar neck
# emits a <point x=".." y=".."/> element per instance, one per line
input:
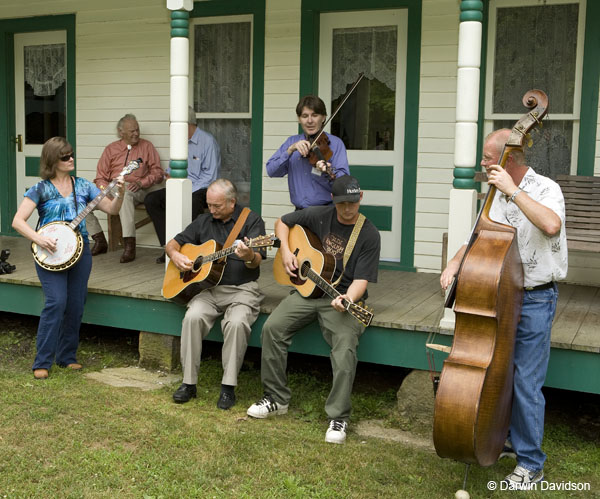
<point x="324" y="285"/>
<point x="91" y="205"/>
<point x="225" y="252"/>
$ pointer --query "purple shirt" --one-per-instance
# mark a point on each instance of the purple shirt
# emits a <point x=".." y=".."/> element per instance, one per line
<point x="306" y="187"/>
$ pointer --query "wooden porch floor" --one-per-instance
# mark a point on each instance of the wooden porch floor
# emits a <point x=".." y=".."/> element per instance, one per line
<point x="400" y="300"/>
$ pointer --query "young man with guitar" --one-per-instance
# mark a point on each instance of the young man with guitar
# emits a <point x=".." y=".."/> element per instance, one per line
<point x="355" y="245"/>
<point x="236" y="295"/>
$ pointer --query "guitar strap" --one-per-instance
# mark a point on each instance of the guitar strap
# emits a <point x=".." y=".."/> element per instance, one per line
<point x="350" y="246"/>
<point x="237" y="228"/>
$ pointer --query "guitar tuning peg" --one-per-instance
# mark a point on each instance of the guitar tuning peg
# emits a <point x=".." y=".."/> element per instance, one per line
<point x="529" y="140"/>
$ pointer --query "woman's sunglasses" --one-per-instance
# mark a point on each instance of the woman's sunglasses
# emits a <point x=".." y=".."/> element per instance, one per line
<point x="67" y="157"/>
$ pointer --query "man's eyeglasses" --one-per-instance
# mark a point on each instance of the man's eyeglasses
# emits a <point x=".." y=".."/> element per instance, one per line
<point x="67" y="157"/>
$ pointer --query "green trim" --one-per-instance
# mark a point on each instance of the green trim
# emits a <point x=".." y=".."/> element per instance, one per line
<point x="380" y="216"/>
<point x="589" y="91"/>
<point x="373" y="178"/>
<point x="32" y="167"/>
<point x="178" y="168"/>
<point x="309" y="53"/>
<point x="257" y="9"/>
<point x="180" y="33"/>
<point x="568" y="369"/>
<point x="8" y="28"/>
<point x="482" y="70"/>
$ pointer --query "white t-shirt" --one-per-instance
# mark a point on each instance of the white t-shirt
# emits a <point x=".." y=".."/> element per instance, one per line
<point x="544" y="258"/>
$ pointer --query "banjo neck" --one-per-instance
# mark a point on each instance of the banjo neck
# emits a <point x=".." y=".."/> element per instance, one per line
<point x="91" y="205"/>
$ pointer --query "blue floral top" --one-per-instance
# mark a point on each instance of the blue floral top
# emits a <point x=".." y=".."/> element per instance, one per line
<point x="53" y="206"/>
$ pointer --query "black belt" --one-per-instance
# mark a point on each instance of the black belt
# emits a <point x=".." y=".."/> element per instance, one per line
<point x="539" y="287"/>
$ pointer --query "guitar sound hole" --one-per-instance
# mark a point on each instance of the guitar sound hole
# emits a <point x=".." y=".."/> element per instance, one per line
<point x="303" y="270"/>
<point x="197" y="265"/>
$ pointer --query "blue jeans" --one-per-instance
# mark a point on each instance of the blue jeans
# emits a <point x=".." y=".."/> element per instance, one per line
<point x="532" y="352"/>
<point x="65" y="293"/>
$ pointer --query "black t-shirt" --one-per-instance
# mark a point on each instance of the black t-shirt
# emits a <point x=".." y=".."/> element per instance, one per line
<point x="205" y="227"/>
<point x="364" y="261"/>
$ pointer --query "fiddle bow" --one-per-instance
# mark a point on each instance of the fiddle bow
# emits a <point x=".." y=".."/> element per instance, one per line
<point x="319" y="147"/>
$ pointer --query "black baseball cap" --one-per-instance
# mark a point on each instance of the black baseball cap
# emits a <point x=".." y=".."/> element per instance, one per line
<point x="345" y="189"/>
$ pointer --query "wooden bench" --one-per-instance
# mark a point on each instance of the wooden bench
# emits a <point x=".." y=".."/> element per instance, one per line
<point x="582" y="206"/>
<point x="115" y="231"/>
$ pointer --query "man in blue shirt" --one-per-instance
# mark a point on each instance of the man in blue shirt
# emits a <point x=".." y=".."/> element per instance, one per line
<point x="308" y="185"/>
<point x="204" y="164"/>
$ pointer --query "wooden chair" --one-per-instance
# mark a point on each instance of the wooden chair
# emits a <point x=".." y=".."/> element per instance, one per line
<point x="115" y="231"/>
<point x="582" y="206"/>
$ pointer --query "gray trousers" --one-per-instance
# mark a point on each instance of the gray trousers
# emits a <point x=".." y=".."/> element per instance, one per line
<point x="127" y="213"/>
<point x="341" y="332"/>
<point x="239" y="306"/>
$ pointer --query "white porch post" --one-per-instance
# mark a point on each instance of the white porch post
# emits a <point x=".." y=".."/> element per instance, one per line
<point x="463" y="197"/>
<point x="179" y="187"/>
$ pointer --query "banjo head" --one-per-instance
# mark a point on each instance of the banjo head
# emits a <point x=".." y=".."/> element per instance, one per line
<point x="69" y="246"/>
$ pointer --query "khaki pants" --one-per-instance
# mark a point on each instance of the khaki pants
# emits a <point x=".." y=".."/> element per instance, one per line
<point x="127" y="213"/>
<point x="239" y="306"/>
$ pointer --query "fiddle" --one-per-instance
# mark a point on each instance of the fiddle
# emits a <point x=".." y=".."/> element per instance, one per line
<point x="320" y="151"/>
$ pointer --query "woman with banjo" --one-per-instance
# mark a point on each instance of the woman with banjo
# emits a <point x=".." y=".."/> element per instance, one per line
<point x="59" y="197"/>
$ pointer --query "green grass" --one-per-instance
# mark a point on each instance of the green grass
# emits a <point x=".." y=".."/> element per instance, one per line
<point x="73" y="437"/>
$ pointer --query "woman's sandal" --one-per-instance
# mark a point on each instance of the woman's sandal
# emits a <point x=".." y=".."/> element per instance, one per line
<point x="40" y="373"/>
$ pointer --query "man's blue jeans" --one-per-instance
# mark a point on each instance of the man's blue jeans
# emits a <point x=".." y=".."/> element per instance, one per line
<point x="532" y="352"/>
<point x="65" y="294"/>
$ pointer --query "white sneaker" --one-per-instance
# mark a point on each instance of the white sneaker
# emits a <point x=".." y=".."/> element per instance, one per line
<point x="523" y="479"/>
<point x="336" y="433"/>
<point x="266" y="407"/>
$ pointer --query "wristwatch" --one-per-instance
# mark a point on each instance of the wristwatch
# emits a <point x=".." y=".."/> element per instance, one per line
<point x="248" y="262"/>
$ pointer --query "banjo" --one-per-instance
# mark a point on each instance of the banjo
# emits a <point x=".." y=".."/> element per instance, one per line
<point x="69" y="242"/>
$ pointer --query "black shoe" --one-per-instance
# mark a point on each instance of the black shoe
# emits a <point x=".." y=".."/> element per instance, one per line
<point x="226" y="400"/>
<point x="161" y="259"/>
<point x="184" y="393"/>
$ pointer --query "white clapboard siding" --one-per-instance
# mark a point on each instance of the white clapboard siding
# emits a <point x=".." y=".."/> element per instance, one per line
<point x="437" y="114"/>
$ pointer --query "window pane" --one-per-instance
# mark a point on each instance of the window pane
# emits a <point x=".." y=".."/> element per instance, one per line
<point x="233" y="137"/>
<point x="366" y="121"/>
<point x="45" y="92"/>
<point x="535" y="48"/>
<point x="550" y="154"/>
<point x="222" y="68"/>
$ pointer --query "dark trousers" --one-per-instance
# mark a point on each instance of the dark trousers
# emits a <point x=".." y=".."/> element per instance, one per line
<point x="65" y="294"/>
<point x="156" y="205"/>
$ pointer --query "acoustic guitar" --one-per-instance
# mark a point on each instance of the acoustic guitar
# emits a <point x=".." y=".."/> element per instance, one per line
<point x="315" y="271"/>
<point x="207" y="270"/>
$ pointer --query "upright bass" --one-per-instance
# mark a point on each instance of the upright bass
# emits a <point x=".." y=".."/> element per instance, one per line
<point x="474" y="397"/>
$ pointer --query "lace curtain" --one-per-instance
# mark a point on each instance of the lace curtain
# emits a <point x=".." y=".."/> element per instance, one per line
<point x="222" y="68"/>
<point x="222" y="85"/>
<point x="371" y="50"/>
<point x="45" y="68"/>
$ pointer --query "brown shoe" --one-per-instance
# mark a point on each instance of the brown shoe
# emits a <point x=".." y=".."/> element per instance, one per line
<point x="75" y="367"/>
<point x="129" y="251"/>
<point x="40" y="373"/>
<point x="100" y="246"/>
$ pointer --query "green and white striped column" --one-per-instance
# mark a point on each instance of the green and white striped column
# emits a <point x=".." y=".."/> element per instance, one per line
<point x="463" y="196"/>
<point x="179" y="187"/>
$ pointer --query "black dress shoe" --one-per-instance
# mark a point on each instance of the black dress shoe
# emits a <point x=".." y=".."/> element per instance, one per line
<point x="161" y="259"/>
<point x="226" y="400"/>
<point x="184" y="393"/>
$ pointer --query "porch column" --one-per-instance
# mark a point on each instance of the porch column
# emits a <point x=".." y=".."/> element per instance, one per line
<point x="463" y="196"/>
<point x="179" y="187"/>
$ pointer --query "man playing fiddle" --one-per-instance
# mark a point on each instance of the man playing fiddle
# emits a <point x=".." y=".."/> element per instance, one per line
<point x="308" y="185"/>
<point x="535" y="206"/>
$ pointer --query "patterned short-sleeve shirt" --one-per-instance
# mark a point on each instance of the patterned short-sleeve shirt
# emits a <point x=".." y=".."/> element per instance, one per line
<point x="544" y="258"/>
<point x="52" y="206"/>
